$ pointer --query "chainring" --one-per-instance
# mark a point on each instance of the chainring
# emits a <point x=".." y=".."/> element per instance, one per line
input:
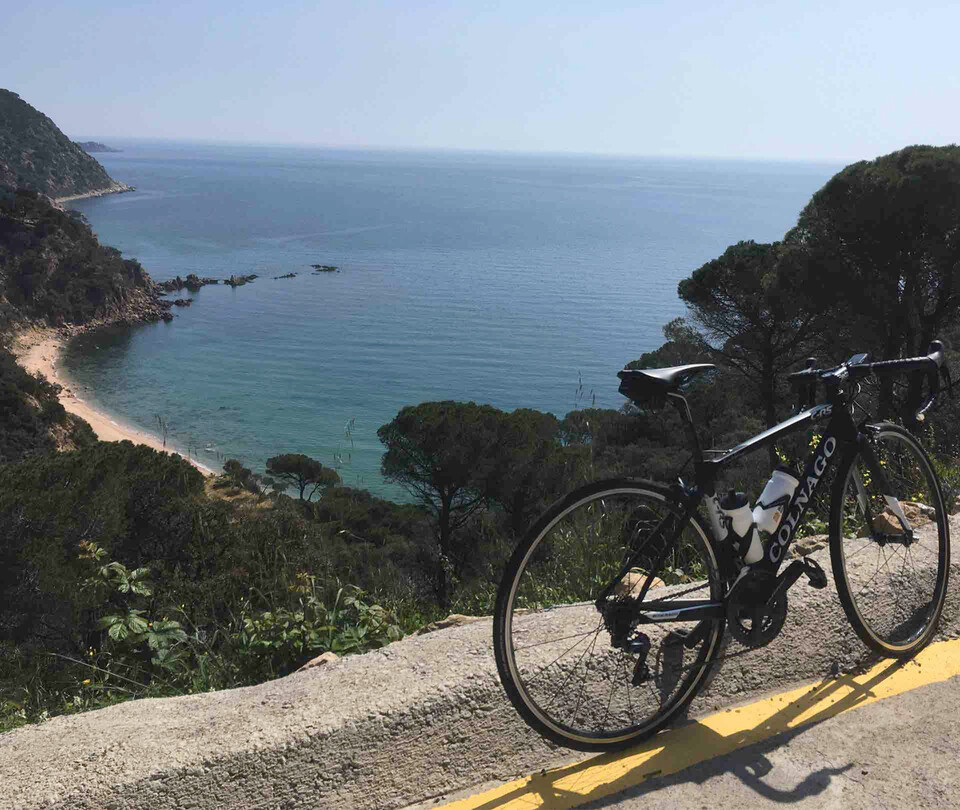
<point x="750" y="619"/>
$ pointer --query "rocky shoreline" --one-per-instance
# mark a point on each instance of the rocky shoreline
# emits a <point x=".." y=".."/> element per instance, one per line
<point x="141" y="305"/>
<point x="143" y="312"/>
<point x="192" y="283"/>
<point x="115" y="188"/>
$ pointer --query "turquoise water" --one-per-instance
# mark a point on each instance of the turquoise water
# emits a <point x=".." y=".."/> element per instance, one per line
<point x="494" y="278"/>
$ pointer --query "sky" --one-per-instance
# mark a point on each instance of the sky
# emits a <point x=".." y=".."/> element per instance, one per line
<point x="832" y="81"/>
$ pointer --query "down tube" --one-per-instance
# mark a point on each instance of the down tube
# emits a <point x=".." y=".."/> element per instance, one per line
<point x="813" y="474"/>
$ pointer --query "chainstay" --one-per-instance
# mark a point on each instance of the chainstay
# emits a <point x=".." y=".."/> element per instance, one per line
<point x="718" y="659"/>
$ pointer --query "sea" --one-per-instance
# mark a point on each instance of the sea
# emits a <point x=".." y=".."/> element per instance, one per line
<point x="519" y="280"/>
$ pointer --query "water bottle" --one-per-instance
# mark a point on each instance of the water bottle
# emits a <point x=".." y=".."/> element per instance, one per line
<point x="774" y="500"/>
<point x="743" y="533"/>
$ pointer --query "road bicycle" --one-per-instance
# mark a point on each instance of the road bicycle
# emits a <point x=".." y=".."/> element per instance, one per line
<point x="613" y="608"/>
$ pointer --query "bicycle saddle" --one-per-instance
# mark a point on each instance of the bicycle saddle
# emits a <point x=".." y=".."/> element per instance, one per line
<point x="650" y="386"/>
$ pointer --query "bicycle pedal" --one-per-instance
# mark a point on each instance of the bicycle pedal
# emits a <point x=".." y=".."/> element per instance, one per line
<point x="675" y="638"/>
<point x="816" y="576"/>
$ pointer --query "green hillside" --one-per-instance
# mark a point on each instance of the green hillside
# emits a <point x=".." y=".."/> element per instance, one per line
<point x="35" y="154"/>
<point x="53" y="269"/>
<point x="32" y="420"/>
<point x="54" y="272"/>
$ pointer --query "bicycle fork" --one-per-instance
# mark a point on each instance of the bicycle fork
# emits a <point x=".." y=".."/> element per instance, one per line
<point x="878" y="474"/>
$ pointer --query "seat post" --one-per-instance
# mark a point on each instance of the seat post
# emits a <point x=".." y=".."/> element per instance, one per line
<point x="683" y="408"/>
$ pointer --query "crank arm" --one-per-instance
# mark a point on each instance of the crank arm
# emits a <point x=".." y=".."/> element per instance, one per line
<point x="796" y="569"/>
<point x="688" y="638"/>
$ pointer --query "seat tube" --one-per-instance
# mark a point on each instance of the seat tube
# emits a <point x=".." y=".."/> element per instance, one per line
<point x="706" y="493"/>
<point x="683" y="408"/>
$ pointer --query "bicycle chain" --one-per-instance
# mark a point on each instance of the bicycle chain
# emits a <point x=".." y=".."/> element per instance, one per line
<point x="747" y="649"/>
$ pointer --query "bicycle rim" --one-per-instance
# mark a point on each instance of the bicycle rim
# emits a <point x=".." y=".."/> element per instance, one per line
<point x="555" y="650"/>
<point x="892" y="588"/>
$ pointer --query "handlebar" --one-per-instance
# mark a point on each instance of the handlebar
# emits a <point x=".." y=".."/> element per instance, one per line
<point x="855" y="368"/>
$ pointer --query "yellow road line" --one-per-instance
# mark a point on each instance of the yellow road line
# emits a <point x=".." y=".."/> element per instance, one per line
<point x="718" y="734"/>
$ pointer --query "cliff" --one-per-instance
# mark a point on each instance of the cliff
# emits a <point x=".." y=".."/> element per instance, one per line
<point x="54" y="271"/>
<point x="36" y="155"/>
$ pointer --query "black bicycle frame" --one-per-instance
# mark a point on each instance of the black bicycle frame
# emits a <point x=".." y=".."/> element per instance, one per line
<point x="840" y="435"/>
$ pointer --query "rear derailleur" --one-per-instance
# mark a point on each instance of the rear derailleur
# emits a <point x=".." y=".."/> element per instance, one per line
<point x="620" y="618"/>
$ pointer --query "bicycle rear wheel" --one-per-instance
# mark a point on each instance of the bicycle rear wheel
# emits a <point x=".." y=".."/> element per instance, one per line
<point x="892" y="582"/>
<point x="556" y="651"/>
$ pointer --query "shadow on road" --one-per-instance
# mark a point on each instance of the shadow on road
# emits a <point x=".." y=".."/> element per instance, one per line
<point x="667" y="758"/>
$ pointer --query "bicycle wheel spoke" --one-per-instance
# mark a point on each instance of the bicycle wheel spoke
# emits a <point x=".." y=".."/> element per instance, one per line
<point x="875" y="575"/>
<point x="606" y="712"/>
<point x="627" y="679"/>
<point x="573" y="670"/>
<point x="553" y="641"/>
<point x="891" y="588"/>
<point x="921" y="547"/>
<point x="583" y="686"/>
<point x="569" y="650"/>
<point x="871" y="543"/>
<point x="578" y="675"/>
<point x="899" y="591"/>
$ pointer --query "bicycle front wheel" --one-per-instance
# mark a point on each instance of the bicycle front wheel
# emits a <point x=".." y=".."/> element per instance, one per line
<point x="891" y="579"/>
<point x="593" y="678"/>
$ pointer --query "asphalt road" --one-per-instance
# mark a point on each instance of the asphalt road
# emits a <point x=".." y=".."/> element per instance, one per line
<point x="898" y="753"/>
<point x="883" y="738"/>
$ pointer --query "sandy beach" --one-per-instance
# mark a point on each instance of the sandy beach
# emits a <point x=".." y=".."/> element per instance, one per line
<point x="38" y="350"/>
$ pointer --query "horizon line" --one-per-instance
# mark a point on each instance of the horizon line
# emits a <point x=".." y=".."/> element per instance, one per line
<point x="200" y="141"/>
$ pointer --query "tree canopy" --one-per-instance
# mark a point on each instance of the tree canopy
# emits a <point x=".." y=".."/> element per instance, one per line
<point x="447" y="455"/>
<point x="533" y="471"/>
<point x="32" y="420"/>
<point x="754" y="318"/>
<point x="53" y="268"/>
<point x="301" y="471"/>
<point x="882" y="241"/>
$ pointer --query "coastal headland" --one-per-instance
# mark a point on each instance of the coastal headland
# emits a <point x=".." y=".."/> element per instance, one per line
<point x="38" y="351"/>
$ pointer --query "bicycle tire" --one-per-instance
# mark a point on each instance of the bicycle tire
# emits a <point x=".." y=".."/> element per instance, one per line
<point x="893" y="593"/>
<point x="578" y="546"/>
